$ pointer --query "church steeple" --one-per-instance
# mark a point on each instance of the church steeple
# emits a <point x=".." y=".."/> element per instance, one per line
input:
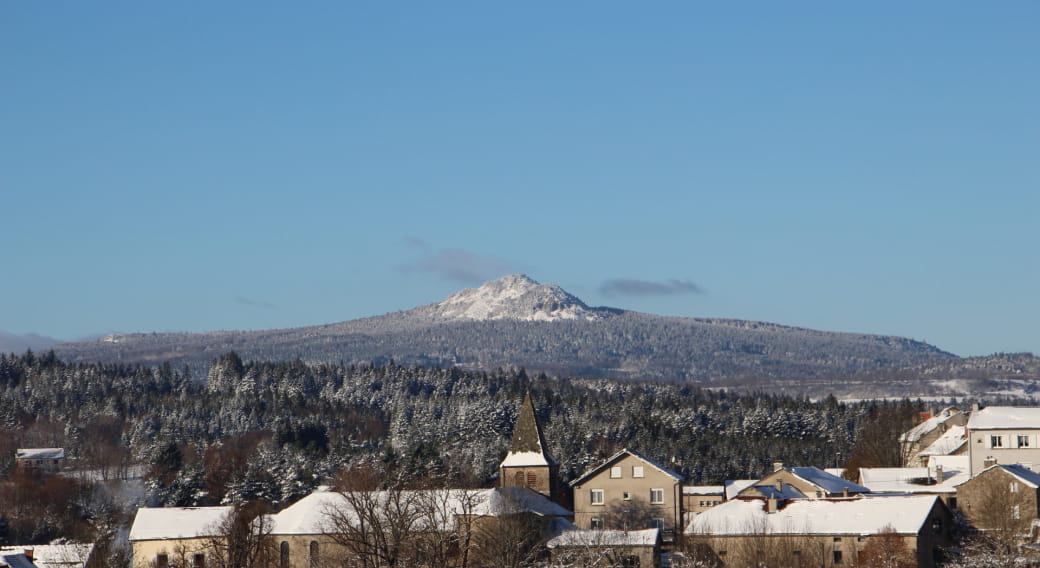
<point x="528" y="439"/>
<point x="528" y="463"/>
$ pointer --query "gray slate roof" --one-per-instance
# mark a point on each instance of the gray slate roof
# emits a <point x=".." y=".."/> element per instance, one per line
<point x="828" y="482"/>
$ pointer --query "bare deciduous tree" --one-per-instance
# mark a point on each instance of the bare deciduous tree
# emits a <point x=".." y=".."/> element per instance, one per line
<point x="886" y="549"/>
<point x="374" y="527"/>
<point x="241" y="539"/>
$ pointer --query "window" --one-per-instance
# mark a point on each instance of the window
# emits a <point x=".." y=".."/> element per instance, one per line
<point x="596" y="524"/>
<point x="532" y="479"/>
<point x="656" y="496"/>
<point x="627" y="496"/>
<point x="637" y="471"/>
<point x="1016" y="512"/>
<point x="657" y="523"/>
<point x="837" y="539"/>
<point x="630" y="562"/>
<point x="953" y="502"/>
<point x="1014" y="487"/>
<point x="596" y="496"/>
<point x="315" y="559"/>
<point x="198" y="561"/>
<point x="996" y="441"/>
<point x="1023" y="441"/>
<point x="615" y="472"/>
<point x="837" y="557"/>
<point x="518" y="479"/>
<point x="937" y="525"/>
<point x="283" y="555"/>
<point x="162" y="560"/>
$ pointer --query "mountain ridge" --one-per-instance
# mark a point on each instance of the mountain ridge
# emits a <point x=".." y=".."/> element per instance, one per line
<point x="516" y="322"/>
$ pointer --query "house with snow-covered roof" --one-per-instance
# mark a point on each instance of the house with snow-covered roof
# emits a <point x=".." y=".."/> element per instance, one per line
<point x="68" y="555"/>
<point x="528" y="462"/>
<point x="700" y="498"/>
<point x="631" y="549"/>
<point x="1004" y="435"/>
<point x="312" y="531"/>
<point x="937" y="480"/>
<point x="181" y="536"/>
<point x="733" y="487"/>
<point x="800" y="483"/>
<point x="821" y="532"/>
<point x="919" y="440"/>
<point x="44" y="459"/>
<point x="999" y="494"/>
<point x="629" y="491"/>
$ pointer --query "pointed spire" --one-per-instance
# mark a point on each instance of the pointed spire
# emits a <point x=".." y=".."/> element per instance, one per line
<point x="528" y="446"/>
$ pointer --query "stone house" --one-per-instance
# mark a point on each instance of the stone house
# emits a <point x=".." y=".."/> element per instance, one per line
<point x="629" y="491"/>
<point x="1001" y="496"/>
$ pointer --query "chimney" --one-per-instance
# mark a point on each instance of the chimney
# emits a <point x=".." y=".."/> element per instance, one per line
<point x="777" y="466"/>
<point x="938" y="474"/>
<point x="990" y="461"/>
<point x="845" y="491"/>
<point x="974" y="407"/>
<point x="771" y="505"/>
<point x="780" y="486"/>
<point x="29" y="554"/>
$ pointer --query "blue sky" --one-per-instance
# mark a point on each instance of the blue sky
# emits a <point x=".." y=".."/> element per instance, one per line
<point x="867" y="167"/>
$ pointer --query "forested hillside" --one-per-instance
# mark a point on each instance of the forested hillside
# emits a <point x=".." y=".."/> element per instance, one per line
<point x="275" y="430"/>
<point x="628" y="345"/>
<point x="515" y="322"/>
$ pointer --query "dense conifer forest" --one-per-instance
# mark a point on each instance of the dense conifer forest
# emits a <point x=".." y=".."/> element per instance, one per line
<point x="276" y="430"/>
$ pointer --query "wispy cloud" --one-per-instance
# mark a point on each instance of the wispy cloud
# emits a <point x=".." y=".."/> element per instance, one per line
<point x="254" y="303"/>
<point x="457" y="264"/>
<point x="629" y="287"/>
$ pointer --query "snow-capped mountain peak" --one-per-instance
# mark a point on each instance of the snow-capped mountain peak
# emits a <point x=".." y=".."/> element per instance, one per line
<point x="517" y="297"/>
